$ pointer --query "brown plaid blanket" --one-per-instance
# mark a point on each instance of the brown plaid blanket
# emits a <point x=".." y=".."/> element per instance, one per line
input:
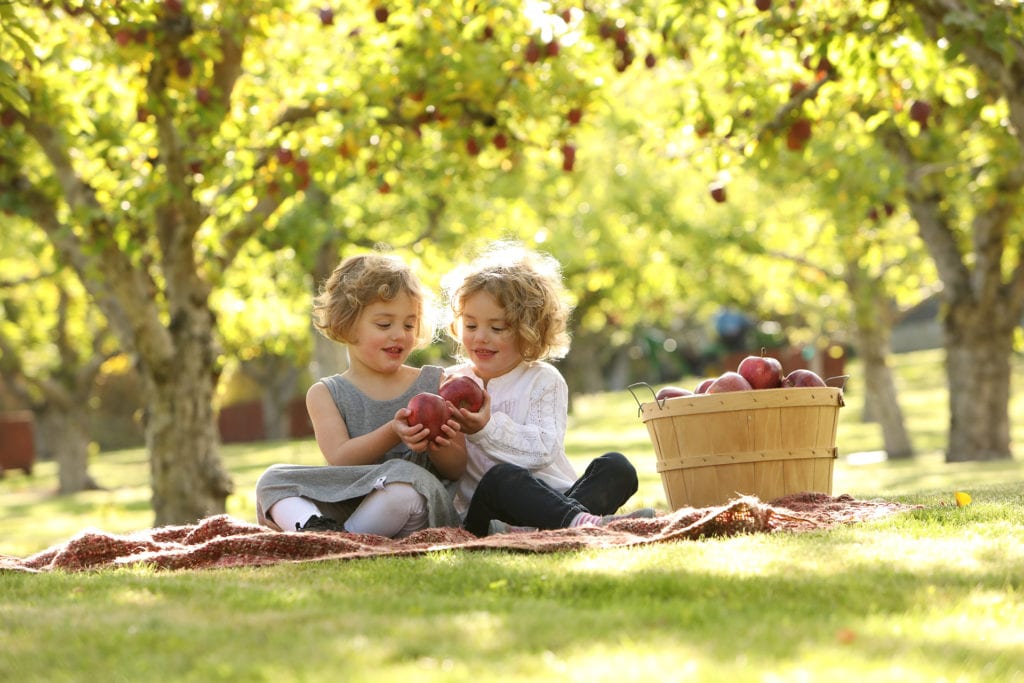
<point x="222" y="541"/>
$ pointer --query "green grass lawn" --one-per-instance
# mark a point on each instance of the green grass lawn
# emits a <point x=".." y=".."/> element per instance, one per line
<point x="930" y="595"/>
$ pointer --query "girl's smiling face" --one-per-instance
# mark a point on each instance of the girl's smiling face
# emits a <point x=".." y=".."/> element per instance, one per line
<point x="385" y="334"/>
<point x="489" y="341"/>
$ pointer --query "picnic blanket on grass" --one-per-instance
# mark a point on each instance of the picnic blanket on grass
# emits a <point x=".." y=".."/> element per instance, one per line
<point x="222" y="541"/>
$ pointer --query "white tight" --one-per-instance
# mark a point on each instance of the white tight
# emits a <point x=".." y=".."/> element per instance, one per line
<point x="394" y="511"/>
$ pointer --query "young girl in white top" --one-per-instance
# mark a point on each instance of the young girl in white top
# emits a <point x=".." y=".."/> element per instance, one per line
<point x="384" y="477"/>
<point x="510" y="316"/>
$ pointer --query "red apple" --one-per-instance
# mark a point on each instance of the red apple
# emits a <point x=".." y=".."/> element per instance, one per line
<point x="763" y="372"/>
<point x="729" y="381"/>
<point x="285" y="156"/>
<point x="429" y="410"/>
<point x="920" y="111"/>
<point x="718" y="193"/>
<point x="803" y="378"/>
<point x="798" y="134"/>
<point x="500" y="141"/>
<point x="327" y="16"/>
<point x="574" y="116"/>
<point x="183" y="67"/>
<point x="763" y="5"/>
<point x="532" y="52"/>
<point x="672" y="392"/>
<point x="702" y="388"/>
<point x="463" y="392"/>
<point x="568" y="157"/>
<point x="381" y="14"/>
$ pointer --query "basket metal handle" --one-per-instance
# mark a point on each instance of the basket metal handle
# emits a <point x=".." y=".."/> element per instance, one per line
<point x="639" y="404"/>
<point x="838" y="382"/>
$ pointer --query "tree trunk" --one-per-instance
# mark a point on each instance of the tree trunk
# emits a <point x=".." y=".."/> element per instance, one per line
<point x="880" y="392"/>
<point x="979" y="345"/>
<point x="67" y="440"/>
<point x="873" y="315"/>
<point x="189" y="482"/>
<point x="278" y="378"/>
<point x="329" y="357"/>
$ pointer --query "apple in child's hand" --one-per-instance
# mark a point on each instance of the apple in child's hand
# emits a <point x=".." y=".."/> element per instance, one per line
<point x="672" y="392"/>
<point x="463" y="392"/>
<point x="729" y="381"/>
<point x="763" y="372"/>
<point x="803" y="378"/>
<point x="429" y="410"/>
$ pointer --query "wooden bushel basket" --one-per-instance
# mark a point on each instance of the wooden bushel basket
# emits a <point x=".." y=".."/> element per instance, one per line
<point x="712" y="448"/>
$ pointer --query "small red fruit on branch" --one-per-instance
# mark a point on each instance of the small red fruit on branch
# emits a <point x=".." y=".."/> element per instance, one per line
<point x="568" y="157"/>
<point x="920" y="111"/>
<point x="718" y="193"/>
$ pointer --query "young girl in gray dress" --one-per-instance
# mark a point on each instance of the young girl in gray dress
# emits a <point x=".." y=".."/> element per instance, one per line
<point x="383" y="477"/>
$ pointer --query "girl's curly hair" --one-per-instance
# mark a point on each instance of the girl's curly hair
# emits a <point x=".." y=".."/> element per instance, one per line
<point x="528" y="285"/>
<point x="357" y="282"/>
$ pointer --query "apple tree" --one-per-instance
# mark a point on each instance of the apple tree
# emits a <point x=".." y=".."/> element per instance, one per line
<point x="162" y="138"/>
<point x="937" y="85"/>
<point x="53" y="345"/>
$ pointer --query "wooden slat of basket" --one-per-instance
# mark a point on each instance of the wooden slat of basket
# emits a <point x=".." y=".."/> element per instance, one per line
<point x="740" y="457"/>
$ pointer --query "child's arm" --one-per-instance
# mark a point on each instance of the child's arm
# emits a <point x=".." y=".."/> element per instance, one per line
<point x="534" y="443"/>
<point x="447" y="452"/>
<point x="332" y="434"/>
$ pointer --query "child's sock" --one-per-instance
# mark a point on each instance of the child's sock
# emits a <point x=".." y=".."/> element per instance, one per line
<point x="585" y="519"/>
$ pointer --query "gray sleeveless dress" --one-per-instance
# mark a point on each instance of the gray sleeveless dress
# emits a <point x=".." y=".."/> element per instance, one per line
<point x="338" y="489"/>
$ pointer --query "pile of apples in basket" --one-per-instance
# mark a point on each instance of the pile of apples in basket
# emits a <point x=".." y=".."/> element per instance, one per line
<point x="753" y="372"/>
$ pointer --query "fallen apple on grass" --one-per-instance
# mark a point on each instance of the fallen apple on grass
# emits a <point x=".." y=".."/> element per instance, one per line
<point x="429" y="410"/>
<point x="462" y="392"/>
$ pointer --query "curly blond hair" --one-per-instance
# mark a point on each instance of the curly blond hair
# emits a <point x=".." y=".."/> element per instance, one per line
<point x="359" y="281"/>
<point x="528" y="285"/>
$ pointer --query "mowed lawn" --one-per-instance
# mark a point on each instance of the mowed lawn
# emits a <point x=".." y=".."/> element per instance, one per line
<point x="928" y="595"/>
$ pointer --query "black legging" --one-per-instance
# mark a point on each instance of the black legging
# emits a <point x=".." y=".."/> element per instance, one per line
<point x="512" y="494"/>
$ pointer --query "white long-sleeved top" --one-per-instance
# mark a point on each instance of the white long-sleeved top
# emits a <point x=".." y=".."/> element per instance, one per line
<point x="529" y="414"/>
